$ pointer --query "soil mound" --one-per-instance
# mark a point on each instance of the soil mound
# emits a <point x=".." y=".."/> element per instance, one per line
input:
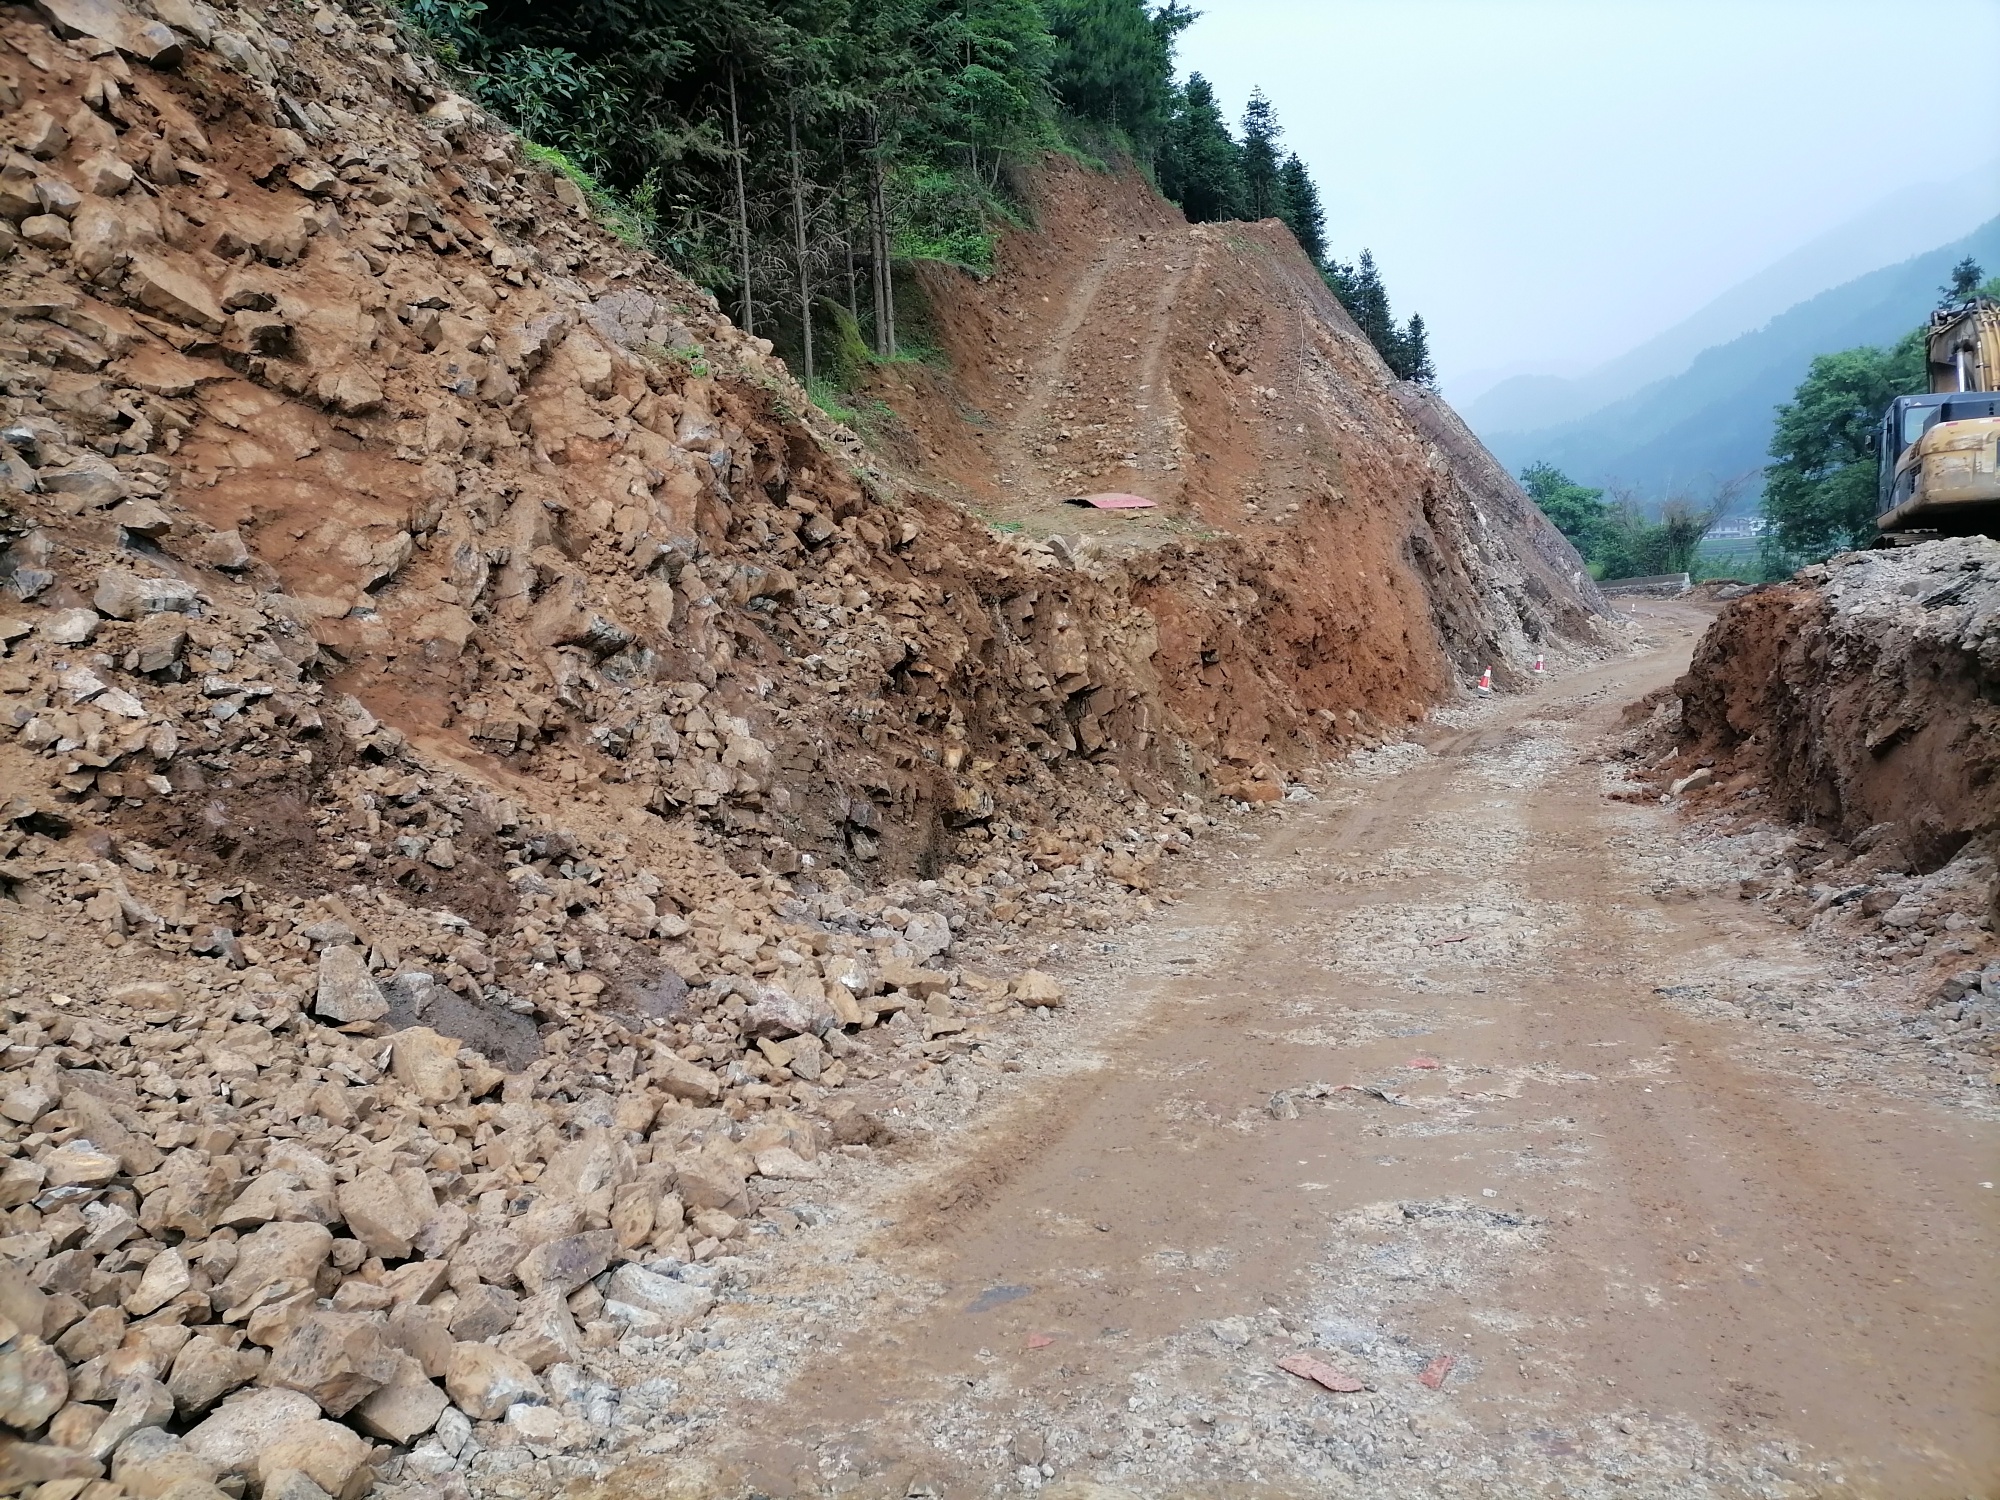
<point x="1862" y="696"/>
<point x="1208" y="368"/>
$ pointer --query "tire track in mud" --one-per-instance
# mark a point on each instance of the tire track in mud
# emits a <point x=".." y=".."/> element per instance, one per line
<point x="1084" y="386"/>
<point x="1160" y="443"/>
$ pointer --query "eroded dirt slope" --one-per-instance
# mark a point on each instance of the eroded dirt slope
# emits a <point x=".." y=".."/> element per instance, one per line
<point x="1861" y="698"/>
<point x="1208" y="368"/>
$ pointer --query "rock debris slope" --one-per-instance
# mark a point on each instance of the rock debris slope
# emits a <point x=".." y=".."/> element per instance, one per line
<point x="496" y="787"/>
<point x="1857" y="703"/>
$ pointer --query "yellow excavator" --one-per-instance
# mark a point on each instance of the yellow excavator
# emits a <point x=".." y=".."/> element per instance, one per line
<point x="1940" y="452"/>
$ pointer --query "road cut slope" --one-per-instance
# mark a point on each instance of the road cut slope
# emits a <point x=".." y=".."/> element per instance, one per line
<point x="1478" y="1081"/>
<point x="1361" y="550"/>
<point x="497" y="788"/>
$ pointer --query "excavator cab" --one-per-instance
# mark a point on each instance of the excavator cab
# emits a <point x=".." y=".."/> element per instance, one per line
<point x="1939" y="452"/>
<point x="1936" y="483"/>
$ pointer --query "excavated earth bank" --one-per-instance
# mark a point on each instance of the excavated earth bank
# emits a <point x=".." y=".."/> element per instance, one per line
<point x="497" y="787"/>
<point x="1864" y="699"/>
<point x="1364" y="549"/>
<point x="1847" y="724"/>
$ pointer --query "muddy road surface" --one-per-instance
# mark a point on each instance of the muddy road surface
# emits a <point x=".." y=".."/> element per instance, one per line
<point x="1468" y="1079"/>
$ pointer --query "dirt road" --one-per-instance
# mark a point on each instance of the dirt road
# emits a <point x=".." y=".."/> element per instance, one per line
<point x="1471" y="1080"/>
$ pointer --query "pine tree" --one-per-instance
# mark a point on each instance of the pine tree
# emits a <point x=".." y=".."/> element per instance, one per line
<point x="1339" y="276"/>
<point x="1201" y="166"/>
<point x="1260" y="156"/>
<point x="1299" y="207"/>
<point x="1413" y="355"/>
<point x="1360" y="290"/>
<point x="1964" y="286"/>
<point x="1114" y="61"/>
<point x="1406" y="351"/>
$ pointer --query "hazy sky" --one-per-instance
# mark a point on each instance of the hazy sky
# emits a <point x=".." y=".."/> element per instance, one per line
<point x="1549" y="182"/>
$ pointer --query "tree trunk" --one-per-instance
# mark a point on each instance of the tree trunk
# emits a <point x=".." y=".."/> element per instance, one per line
<point x="799" y="238"/>
<point x="742" y="209"/>
<point x="853" y="293"/>
<point x="878" y="235"/>
<point x="847" y="229"/>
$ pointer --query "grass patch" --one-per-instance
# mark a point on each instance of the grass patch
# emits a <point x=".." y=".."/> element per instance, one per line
<point x="1092" y="143"/>
<point x="952" y="218"/>
<point x="832" y="400"/>
<point x="914" y="351"/>
<point x="917" y="341"/>
<point x="688" y="358"/>
<point x="631" y="228"/>
<point x="971" y="250"/>
<point x="861" y="414"/>
<point x="781" y="398"/>
<point x="947" y="217"/>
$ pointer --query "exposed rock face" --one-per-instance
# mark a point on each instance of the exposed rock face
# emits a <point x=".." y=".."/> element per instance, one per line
<point x="1865" y="697"/>
<point x="1507" y="547"/>
<point x="496" y="785"/>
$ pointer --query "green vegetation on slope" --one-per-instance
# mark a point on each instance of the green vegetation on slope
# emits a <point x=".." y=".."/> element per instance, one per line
<point x="1616" y="537"/>
<point x="788" y="154"/>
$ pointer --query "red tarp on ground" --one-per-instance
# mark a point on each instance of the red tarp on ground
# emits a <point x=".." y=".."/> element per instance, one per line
<point x="1113" y="502"/>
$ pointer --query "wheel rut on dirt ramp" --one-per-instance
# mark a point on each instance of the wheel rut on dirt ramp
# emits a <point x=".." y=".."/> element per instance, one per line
<point x="1103" y="384"/>
<point x="1055" y="373"/>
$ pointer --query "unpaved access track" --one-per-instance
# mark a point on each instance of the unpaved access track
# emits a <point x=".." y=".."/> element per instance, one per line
<point x="1472" y="1080"/>
<point x="1105" y="404"/>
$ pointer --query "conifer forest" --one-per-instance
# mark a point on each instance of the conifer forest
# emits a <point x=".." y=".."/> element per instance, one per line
<point x="791" y="154"/>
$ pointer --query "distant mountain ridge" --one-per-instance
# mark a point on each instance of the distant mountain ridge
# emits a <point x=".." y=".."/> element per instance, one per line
<point x="1712" y="421"/>
<point x="1905" y="223"/>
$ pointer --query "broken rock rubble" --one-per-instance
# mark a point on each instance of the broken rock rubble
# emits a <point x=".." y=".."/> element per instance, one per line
<point x="275" y="1294"/>
<point x="351" y="1107"/>
<point x="238" y="1202"/>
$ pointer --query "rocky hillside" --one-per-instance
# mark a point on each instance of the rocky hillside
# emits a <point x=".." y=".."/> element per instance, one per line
<point x="497" y="785"/>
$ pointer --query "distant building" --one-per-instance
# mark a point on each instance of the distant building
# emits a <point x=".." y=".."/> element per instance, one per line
<point x="1738" y="529"/>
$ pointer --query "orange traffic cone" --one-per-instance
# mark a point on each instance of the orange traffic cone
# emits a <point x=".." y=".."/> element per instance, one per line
<point x="1486" y="682"/>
